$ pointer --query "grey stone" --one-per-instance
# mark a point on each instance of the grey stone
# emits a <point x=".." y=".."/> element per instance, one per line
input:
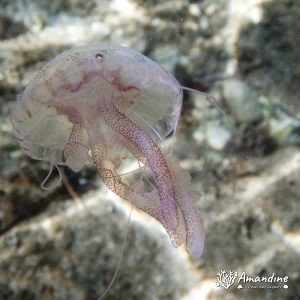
<point x="242" y="101"/>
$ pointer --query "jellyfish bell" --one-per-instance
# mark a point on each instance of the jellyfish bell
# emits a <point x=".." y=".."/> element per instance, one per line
<point x="67" y="89"/>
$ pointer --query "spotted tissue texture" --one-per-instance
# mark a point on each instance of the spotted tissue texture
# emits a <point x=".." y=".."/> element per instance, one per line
<point x="97" y="104"/>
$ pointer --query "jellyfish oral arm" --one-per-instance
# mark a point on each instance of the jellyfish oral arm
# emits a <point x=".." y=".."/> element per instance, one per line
<point x="154" y="159"/>
<point x="173" y="203"/>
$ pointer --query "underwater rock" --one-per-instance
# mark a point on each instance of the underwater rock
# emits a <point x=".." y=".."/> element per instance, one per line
<point x="71" y="252"/>
<point x="268" y="53"/>
<point x="241" y="101"/>
<point x="217" y="136"/>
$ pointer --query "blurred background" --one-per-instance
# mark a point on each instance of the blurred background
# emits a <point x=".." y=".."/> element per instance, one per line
<point x="245" y="53"/>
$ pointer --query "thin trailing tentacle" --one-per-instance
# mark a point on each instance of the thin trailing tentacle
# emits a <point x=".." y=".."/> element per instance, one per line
<point x="120" y="257"/>
<point x="173" y="138"/>
<point x="210" y="99"/>
<point x="141" y="177"/>
<point x="131" y="172"/>
<point x="73" y="193"/>
<point x="48" y="176"/>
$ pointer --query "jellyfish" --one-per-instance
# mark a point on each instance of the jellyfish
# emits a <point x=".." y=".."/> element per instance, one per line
<point x="96" y="105"/>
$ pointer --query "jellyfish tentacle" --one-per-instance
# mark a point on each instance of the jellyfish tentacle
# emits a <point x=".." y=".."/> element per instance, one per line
<point x="210" y="99"/>
<point x="51" y="188"/>
<point x="130" y="172"/>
